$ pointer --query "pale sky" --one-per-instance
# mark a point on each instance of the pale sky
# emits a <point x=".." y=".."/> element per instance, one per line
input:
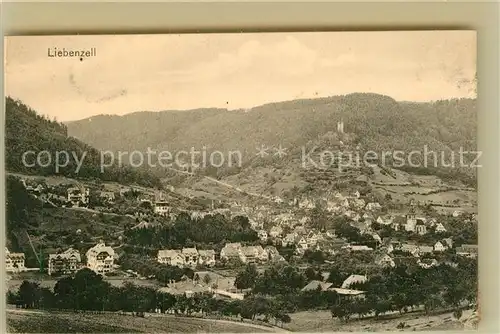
<point x="161" y="72"/>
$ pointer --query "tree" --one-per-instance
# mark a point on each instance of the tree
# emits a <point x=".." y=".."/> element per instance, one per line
<point x="90" y="290"/>
<point x="314" y="256"/>
<point x="432" y="302"/>
<point x="284" y="318"/>
<point x="255" y="305"/>
<point x="29" y="294"/>
<point x="207" y="279"/>
<point x="457" y="314"/>
<point x="166" y="301"/>
<point x="12" y="298"/>
<point x="47" y="299"/>
<point x="242" y="222"/>
<point x="399" y="301"/>
<point x="381" y="306"/>
<point x="360" y="307"/>
<point x="312" y="274"/>
<point x="319" y="217"/>
<point x="344" y="230"/>
<point x="336" y="276"/>
<point x="64" y="293"/>
<point x="246" y="279"/>
<point x="341" y="310"/>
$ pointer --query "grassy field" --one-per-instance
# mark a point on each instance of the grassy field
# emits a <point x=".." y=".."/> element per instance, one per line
<point x="30" y="321"/>
<point x="424" y="189"/>
<point x="321" y="321"/>
<point x="49" y="282"/>
<point x="44" y="322"/>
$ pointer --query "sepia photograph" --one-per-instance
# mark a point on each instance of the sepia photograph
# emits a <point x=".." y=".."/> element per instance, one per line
<point x="242" y="182"/>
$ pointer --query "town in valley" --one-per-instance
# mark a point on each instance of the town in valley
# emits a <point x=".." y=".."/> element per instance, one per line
<point x="265" y="244"/>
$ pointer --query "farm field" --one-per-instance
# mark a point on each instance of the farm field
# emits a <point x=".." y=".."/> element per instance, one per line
<point x="423" y="189"/>
<point x="321" y="321"/>
<point x="22" y="321"/>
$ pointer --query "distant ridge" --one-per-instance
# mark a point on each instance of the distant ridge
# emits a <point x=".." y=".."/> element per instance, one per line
<point x="379" y="122"/>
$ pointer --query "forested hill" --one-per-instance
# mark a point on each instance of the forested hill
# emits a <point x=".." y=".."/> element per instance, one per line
<point x="379" y="122"/>
<point x="28" y="131"/>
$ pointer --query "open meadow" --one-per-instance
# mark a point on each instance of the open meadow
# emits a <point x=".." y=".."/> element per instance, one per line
<point x="22" y="321"/>
<point x="321" y="321"/>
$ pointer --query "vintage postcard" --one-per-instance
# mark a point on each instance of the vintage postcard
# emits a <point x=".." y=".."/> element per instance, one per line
<point x="257" y="182"/>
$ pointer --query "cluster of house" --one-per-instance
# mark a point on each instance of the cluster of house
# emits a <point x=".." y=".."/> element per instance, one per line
<point x="348" y="288"/>
<point x="187" y="257"/>
<point x="422" y="254"/>
<point x="313" y="240"/>
<point x="158" y="201"/>
<point x="361" y="215"/>
<point x="78" y="196"/>
<point x="413" y="223"/>
<point x="303" y="237"/>
<point x="192" y="257"/>
<point x="32" y="187"/>
<point x="249" y="254"/>
<point x="295" y="220"/>
<point x="100" y="259"/>
<point x="336" y="203"/>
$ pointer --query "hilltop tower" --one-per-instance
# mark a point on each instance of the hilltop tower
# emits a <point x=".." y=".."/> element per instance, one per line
<point x="340" y="126"/>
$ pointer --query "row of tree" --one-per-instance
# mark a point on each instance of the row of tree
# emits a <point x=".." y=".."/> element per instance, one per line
<point x="87" y="291"/>
<point x="388" y="289"/>
<point x="279" y="279"/>
<point x="273" y="293"/>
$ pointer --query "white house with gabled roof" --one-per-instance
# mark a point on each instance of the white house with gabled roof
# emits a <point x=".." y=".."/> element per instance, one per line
<point x="100" y="258"/>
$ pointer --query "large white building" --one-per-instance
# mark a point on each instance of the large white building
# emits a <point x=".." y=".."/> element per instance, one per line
<point x="161" y="205"/>
<point x="190" y="256"/>
<point x="67" y="262"/>
<point x="14" y="262"/>
<point x="206" y="257"/>
<point x="100" y="258"/>
<point x="77" y="196"/>
<point x="162" y="208"/>
<point x="172" y="257"/>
